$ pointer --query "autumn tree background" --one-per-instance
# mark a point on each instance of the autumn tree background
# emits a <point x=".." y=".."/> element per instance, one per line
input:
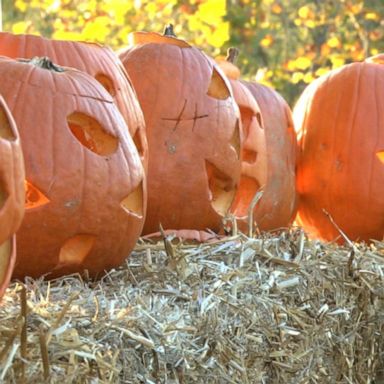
<point x="283" y="43"/>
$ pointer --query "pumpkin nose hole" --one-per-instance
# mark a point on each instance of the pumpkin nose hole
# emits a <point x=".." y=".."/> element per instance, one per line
<point x="6" y="131"/>
<point x="138" y="143"/>
<point x="91" y="134"/>
<point x="235" y="139"/>
<point x="107" y="83"/>
<point x="222" y="189"/>
<point x="259" y="120"/>
<point x="247" y="117"/>
<point x="33" y="196"/>
<point x="217" y="87"/>
<point x="380" y="156"/>
<point x="3" y="194"/>
<point x="247" y="190"/>
<point x="75" y="249"/>
<point x="133" y="203"/>
<point x="5" y="257"/>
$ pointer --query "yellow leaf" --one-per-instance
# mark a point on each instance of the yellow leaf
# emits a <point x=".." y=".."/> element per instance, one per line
<point x="66" y="35"/>
<point x="337" y="61"/>
<point x="333" y="42"/>
<point x="304" y="12"/>
<point x="322" y="71"/>
<point x="219" y="36"/>
<point x="372" y="16"/>
<point x="21" y="27"/>
<point x="267" y="41"/>
<point x="212" y="11"/>
<point x="374" y="51"/>
<point x="276" y="8"/>
<point x="297" y="77"/>
<point x="303" y="63"/>
<point x="21" y="5"/>
<point x="310" y="24"/>
<point x="308" y="78"/>
<point x="97" y="29"/>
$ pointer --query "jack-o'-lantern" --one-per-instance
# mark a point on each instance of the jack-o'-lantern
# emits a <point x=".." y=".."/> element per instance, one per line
<point x="193" y="132"/>
<point x="86" y="193"/>
<point x="11" y="193"/>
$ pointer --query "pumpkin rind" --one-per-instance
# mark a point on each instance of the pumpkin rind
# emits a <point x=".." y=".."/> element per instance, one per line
<point x="340" y="122"/>
<point x="81" y="164"/>
<point x="254" y="169"/>
<point x="274" y="170"/>
<point x="11" y="193"/>
<point x="278" y="205"/>
<point x="192" y="130"/>
<point x="98" y="61"/>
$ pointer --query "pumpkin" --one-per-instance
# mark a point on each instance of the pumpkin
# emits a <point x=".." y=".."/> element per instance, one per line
<point x="269" y="157"/>
<point x="99" y="61"/>
<point x="11" y="193"/>
<point x="340" y="122"/>
<point x="86" y="193"/>
<point x="193" y="132"/>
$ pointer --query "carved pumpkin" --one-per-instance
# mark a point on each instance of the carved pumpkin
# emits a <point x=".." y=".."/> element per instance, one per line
<point x="99" y="61"/>
<point x="340" y="122"/>
<point x="193" y="132"/>
<point x="11" y="193"/>
<point x="269" y="156"/>
<point x="278" y="205"/>
<point x="85" y="182"/>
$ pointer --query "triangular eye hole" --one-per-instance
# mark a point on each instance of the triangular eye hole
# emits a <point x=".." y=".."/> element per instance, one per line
<point x="6" y="131"/>
<point x="33" y="196"/>
<point x="380" y="156"/>
<point x="217" y="87"/>
<point x="133" y="203"/>
<point x="3" y="194"/>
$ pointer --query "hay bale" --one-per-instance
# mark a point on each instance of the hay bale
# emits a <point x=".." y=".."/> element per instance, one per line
<point x="272" y="309"/>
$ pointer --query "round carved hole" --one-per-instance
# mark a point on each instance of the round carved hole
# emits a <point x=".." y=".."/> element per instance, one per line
<point x="107" y="83"/>
<point x="89" y="132"/>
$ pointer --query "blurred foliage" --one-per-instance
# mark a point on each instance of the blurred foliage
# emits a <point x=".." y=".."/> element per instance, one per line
<point x="283" y="43"/>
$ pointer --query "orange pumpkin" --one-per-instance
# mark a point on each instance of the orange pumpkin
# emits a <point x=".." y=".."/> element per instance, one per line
<point x="98" y="61"/>
<point x="86" y="195"/>
<point x="269" y="157"/>
<point x="278" y="205"/>
<point x="11" y="193"/>
<point x="340" y="122"/>
<point x="193" y="132"/>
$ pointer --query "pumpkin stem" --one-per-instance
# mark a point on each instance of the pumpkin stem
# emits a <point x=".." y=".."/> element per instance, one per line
<point x="168" y="30"/>
<point x="232" y="54"/>
<point x="43" y="62"/>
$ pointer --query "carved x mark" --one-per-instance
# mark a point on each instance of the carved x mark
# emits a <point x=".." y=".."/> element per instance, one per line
<point x="179" y="118"/>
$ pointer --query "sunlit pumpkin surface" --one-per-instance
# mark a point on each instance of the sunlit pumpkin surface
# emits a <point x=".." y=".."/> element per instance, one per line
<point x="340" y="118"/>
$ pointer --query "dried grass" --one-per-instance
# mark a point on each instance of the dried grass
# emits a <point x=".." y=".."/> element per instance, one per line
<point x="272" y="309"/>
